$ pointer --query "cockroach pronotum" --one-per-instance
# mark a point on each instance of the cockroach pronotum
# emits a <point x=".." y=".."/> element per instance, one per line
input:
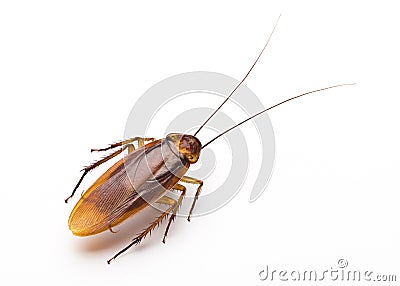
<point x="144" y="176"/>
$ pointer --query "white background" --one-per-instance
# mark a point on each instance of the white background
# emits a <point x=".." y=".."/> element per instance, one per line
<point x="70" y="71"/>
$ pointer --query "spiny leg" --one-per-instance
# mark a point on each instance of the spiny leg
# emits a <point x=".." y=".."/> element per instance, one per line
<point x="164" y="200"/>
<point x="94" y="165"/>
<point x="124" y="142"/>
<point x="191" y="180"/>
<point x="182" y="189"/>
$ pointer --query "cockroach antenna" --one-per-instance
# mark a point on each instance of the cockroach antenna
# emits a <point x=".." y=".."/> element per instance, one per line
<point x="244" y="78"/>
<point x="269" y="108"/>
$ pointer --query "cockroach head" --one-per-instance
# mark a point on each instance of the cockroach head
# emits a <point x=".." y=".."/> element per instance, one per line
<point x="187" y="145"/>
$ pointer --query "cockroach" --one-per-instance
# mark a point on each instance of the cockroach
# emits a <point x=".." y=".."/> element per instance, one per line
<point x="144" y="176"/>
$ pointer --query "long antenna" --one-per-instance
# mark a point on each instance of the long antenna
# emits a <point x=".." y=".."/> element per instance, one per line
<point x="265" y="110"/>
<point x="233" y="91"/>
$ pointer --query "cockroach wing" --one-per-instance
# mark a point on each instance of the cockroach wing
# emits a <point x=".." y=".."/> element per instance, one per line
<point x="116" y="195"/>
<point x="106" y="194"/>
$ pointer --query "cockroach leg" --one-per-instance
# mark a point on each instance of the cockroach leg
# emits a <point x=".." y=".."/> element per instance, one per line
<point x="191" y="180"/>
<point x="140" y="140"/>
<point x="182" y="189"/>
<point x="130" y="147"/>
<point x="164" y="200"/>
<point x="113" y="231"/>
<point x="94" y="165"/>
